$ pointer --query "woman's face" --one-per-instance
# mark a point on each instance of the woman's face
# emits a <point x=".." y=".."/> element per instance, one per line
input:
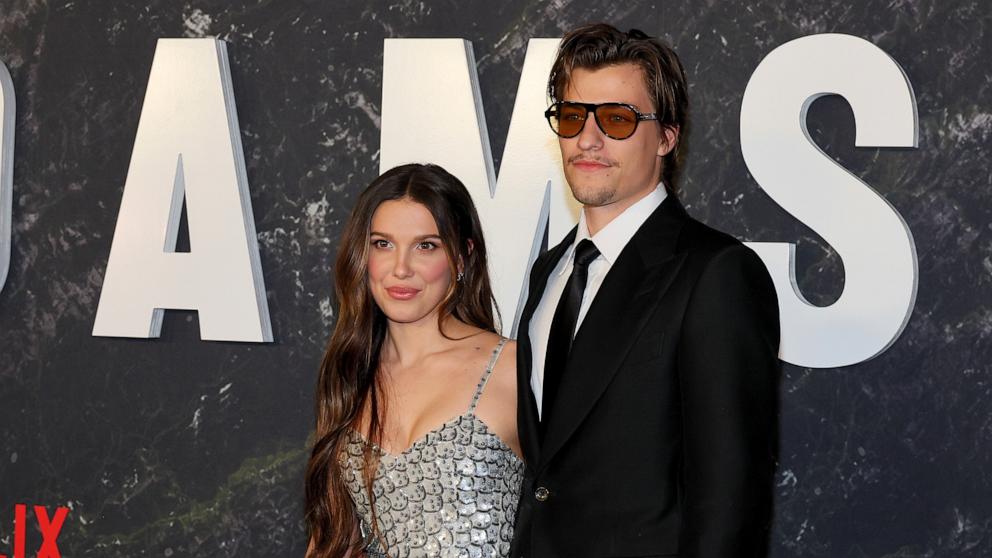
<point x="409" y="271"/>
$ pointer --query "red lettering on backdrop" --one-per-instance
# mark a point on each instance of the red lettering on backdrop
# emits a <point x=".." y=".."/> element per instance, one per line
<point x="20" y="531"/>
<point x="49" y="528"/>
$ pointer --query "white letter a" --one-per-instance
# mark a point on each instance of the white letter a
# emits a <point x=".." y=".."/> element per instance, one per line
<point x="188" y="144"/>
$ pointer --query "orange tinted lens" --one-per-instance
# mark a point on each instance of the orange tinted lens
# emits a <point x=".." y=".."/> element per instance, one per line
<point x="570" y="119"/>
<point x="617" y="121"/>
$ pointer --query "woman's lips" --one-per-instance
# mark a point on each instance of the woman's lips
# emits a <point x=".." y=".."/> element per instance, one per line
<point x="402" y="293"/>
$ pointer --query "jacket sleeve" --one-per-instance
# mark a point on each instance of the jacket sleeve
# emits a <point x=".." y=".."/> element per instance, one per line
<point x="728" y="377"/>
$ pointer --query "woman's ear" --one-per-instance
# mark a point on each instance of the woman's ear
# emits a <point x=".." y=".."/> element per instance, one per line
<point x="470" y="246"/>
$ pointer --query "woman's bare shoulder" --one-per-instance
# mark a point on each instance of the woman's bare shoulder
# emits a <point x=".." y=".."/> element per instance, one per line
<point x="505" y="369"/>
<point x="508" y="357"/>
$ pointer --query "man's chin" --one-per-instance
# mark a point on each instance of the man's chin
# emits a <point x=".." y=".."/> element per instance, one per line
<point x="593" y="195"/>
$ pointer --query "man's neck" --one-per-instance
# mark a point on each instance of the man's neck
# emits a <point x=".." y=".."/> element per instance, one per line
<point x="597" y="217"/>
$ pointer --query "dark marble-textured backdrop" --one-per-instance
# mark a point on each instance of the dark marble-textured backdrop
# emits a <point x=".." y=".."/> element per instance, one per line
<point x="177" y="447"/>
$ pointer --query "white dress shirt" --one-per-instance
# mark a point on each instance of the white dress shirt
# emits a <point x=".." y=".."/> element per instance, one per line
<point x="610" y="241"/>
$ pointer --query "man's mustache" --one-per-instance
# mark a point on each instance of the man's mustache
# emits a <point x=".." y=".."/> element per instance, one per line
<point x="586" y="158"/>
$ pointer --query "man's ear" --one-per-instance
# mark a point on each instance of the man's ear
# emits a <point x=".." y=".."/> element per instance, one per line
<point x="669" y="139"/>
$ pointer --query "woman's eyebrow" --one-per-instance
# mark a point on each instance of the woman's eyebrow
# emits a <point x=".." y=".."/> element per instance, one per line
<point x="421" y="237"/>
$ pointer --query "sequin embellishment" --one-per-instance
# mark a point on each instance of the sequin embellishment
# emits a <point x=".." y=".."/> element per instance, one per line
<point x="453" y="493"/>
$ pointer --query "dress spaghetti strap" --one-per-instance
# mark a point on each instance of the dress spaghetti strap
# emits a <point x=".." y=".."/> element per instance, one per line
<point x="485" y="375"/>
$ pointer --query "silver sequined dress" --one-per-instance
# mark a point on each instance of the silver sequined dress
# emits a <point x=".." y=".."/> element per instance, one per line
<point x="453" y="493"/>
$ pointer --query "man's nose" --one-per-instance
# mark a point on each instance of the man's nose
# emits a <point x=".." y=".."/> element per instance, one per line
<point x="590" y="136"/>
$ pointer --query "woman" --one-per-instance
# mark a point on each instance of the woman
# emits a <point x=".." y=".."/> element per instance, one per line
<point x="416" y="450"/>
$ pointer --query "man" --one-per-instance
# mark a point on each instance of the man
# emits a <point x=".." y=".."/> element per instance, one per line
<point x="647" y="358"/>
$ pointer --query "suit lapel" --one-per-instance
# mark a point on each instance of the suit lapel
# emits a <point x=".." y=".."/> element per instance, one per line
<point x="527" y="417"/>
<point x="635" y="283"/>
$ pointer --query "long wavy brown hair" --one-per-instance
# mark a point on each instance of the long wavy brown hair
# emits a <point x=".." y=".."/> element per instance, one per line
<point x="350" y="377"/>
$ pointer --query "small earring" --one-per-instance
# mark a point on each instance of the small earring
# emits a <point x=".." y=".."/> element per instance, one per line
<point x="459" y="277"/>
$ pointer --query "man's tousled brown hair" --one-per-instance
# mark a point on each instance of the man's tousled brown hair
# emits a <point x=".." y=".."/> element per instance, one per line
<point x="599" y="45"/>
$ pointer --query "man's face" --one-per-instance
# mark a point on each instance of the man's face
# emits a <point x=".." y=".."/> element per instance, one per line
<point x="606" y="172"/>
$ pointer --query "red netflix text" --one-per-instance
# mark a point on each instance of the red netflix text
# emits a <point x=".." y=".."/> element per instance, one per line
<point x="49" y="529"/>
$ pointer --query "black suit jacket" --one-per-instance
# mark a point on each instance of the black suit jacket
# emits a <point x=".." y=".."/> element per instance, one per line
<point x="663" y="437"/>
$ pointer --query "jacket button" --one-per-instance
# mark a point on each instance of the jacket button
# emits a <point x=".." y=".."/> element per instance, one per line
<point x="542" y="494"/>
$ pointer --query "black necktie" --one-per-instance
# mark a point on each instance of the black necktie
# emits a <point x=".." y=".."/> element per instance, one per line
<point x="563" y="325"/>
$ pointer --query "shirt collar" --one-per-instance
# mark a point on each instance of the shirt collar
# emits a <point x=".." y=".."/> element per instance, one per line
<point x="612" y="238"/>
